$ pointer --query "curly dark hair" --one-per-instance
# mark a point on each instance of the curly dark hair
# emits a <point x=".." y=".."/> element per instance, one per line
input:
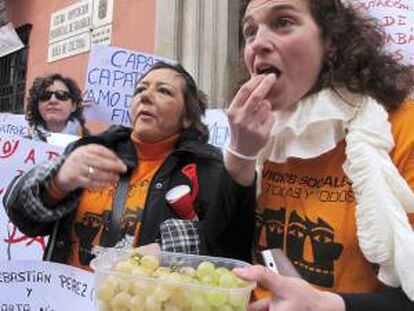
<point x="40" y="84"/>
<point x="357" y="58"/>
<point x="195" y="102"/>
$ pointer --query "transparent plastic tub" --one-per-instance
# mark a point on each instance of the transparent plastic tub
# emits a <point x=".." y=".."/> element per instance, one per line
<point x="137" y="291"/>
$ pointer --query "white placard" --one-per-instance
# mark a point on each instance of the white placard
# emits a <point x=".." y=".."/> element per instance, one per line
<point x="71" y="21"/>
<point x="69" y="47"/>
<point x="13" y="125"/>
<point x="9" y="40"/>
<point x="44" y="286"/>
<point x="218" y="126"/>
<point x="110" y="80"/>
<point x="18" y="155"/>
<point x="397" y="18"/>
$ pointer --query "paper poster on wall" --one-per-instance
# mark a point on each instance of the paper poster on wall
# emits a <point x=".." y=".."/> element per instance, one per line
<point x="9" y="40"/>
<point x="18" y="155"/>
<point x="111" y="76"/>
<point x="397" y="18"/>
<point x="44" y="286"/>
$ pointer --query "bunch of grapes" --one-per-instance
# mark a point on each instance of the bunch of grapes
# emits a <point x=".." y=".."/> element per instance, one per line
<point x="141" y="283"/>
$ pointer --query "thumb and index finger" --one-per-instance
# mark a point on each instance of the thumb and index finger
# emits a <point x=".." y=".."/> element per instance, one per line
<point x="265" y="278"/>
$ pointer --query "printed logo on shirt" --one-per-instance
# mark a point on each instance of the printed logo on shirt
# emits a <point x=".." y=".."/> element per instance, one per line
<point x="310" y="244"/>
<point x="91" y="224"/>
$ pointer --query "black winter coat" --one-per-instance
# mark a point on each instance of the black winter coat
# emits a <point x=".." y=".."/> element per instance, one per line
<point x="223" y="230"/>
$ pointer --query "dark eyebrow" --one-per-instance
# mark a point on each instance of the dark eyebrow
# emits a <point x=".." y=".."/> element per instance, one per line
<point x="145" y="83"/>
<point x="272" y="9"/>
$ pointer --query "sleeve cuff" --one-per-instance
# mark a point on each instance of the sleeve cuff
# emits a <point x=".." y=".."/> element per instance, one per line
<point x="180" y="236"/>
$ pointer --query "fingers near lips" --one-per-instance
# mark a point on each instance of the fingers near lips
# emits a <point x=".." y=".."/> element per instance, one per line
<point x="260" y="92"/>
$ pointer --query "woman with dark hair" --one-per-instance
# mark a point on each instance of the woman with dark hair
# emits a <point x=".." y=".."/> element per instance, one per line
<point x="128" y="187"/>
<point x="55" y="105"/>
<point x="321" y="144"/>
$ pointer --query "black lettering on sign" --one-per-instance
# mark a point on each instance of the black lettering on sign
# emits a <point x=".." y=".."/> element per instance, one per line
<point x="71" y="284"/>
<point x="14" y="307"/>
<point x="29" y="291"/>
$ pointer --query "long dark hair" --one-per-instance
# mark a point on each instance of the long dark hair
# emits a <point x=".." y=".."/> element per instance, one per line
<point x="357" y="59"/>
<point x="40" y="84"/>
<point x="195" y="102"/>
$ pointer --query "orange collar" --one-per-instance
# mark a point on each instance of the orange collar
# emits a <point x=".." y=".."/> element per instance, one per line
<point x="154" y="150"/>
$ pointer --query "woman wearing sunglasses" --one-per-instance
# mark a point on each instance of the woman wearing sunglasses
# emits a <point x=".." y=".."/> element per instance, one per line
<point x="54" y="105"/>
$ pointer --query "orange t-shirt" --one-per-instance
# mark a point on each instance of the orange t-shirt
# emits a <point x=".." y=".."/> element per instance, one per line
<point x="307" y="208"/>
<point x="95" y="206"/>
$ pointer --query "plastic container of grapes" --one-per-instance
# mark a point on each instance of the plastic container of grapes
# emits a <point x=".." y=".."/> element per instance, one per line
<point x="128" y="291"/>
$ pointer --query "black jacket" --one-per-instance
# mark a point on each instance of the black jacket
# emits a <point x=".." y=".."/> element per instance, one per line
<point x="218" y="229"/>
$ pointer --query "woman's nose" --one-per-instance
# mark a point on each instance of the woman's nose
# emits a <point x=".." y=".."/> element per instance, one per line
<point x="146" y="96"/>
<point x="262" y="41"/>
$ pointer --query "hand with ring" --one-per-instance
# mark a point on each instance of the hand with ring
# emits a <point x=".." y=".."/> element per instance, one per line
<point x="91" y="166"/>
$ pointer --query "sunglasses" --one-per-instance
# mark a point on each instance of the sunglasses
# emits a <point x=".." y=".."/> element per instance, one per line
<point x="60" y="95"/>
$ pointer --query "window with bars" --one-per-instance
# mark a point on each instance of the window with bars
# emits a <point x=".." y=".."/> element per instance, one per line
<point x="13" y="69"/>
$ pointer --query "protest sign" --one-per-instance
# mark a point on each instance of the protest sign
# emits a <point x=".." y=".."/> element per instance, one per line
<point x="18" y="155"/>
<point x="218" y="126"/>
<point x="13" y="125"/>
<point x="44" y="286"/>
<point x="111" y="77"/>
<point x="397" y="18"/>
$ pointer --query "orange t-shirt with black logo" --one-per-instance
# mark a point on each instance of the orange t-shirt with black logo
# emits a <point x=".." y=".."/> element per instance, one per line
<point x="307" y="208"/>
<point x="95" y="206"/>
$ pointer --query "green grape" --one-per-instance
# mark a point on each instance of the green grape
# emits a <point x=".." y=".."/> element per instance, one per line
<point x="161" y="293"/>
<point x="107" y="290"/>
<point x="121" y="301"/>
<point x="205" y="268"/>
<point x="171" y="307"/>
<point x="188" y="271"/>
<point x="141" y="271"/>
<point x="152" y="304"/>
<point x="226" y="308"/>
<point x="216" y="298"/>
<point x="161" y="271"/>
<point x="220" y="271"/>
<point x="181" y="298"/>
<point x="237" y="299"/>
<point x="150" y="262"/>
<point x="140" y="288"/>
<point x="227" y="280"/>
<point x="208" y="280"/>
<point x="105" y="307"/>
<point x="137" y="303"/>
<point x="199" y="304"/>
<point x="125" y="266"/>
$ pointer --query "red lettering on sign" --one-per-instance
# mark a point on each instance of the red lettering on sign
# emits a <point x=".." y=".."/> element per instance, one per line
<point x="8" y="148"/>
<point x="15" y="239"/>
<point x="30" y="157"/>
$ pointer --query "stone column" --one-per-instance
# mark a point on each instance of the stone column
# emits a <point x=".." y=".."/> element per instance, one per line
<point x="203" y="36"/>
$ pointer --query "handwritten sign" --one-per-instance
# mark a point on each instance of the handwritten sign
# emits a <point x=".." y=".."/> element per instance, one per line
<point x="218" y="126"/>
<point x="397" y="18"/>
<point x="44" y="286"/>
<point x="111" y="77"/>
<point x="13" y="125"/>
<point x="18" y="155"/>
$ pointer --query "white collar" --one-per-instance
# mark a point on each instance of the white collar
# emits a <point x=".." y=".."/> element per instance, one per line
<point x="313" y="128"/>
